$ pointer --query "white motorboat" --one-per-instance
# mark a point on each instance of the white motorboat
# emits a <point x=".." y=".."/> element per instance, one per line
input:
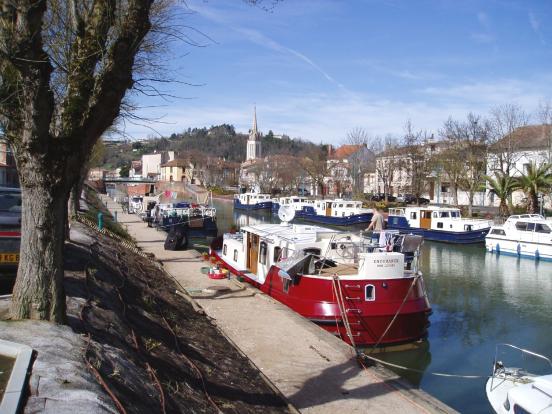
<point x="252" y="201"/>
<point x="516" y="391"/>
<point x="523" y="235"/>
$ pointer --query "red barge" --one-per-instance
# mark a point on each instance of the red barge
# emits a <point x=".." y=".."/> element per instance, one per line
<point x="368" y="291"/>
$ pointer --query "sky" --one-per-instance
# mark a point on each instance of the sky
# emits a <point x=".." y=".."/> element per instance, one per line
<point x="317" y="69"/>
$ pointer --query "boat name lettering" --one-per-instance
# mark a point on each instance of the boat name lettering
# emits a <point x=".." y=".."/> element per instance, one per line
<point x="385" y="261"/>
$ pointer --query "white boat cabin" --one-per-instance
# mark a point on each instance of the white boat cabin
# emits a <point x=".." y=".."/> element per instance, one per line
<point x="439" y="218"/>
<point x="524" y="228"/>
<point x="296" y="202"/>
<point x="340" y="208"/>
<point x="252" y="198"/>
<point x="255" y="249"/>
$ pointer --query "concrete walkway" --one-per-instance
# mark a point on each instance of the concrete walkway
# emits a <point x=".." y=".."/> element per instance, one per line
<point x="316" y="371"/>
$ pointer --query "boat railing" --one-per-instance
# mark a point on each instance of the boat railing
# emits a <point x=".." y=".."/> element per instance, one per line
<point x="498" y="366"/>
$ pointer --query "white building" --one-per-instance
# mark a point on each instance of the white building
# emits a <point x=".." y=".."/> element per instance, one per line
<point x="515" y="152"/>
<point x="254" y="140"/>
<point x="151" y="163"/>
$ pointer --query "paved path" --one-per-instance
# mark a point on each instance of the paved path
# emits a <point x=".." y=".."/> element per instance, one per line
<point x="316" y="371"/>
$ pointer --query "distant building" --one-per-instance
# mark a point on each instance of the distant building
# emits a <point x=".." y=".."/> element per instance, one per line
<point x="516" y="151"/>
<point x="254" y="140"/>
<point x="97" y="174"/>
<point x="250" y="169"/>
<point x="135" y="169"/>
<point x="174" y="170"/>
<point x="151" y="163"/>
<point x="346" y="167"/>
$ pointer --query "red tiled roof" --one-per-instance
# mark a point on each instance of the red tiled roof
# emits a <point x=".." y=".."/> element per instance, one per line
<point x="344" y="151"/>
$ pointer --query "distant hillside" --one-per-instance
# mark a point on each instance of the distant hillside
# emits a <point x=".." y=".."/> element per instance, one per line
<point x="217" y="141"/>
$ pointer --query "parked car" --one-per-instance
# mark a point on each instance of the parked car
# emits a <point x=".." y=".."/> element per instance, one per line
<point x="10" y="229"/>
<point x="381" y="197"/>
<point x="412" y="199"/>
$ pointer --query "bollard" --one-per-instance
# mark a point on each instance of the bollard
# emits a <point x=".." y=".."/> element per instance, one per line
<point x="100" y="220"/>
<point x="115" y="217"/>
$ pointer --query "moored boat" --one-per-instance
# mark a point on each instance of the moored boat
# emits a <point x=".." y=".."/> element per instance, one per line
<point x="443" y="224"/>
<point x="336" y="212"/>
<point x="367" y="291"/>
<point x="523" y="235"/>
<point x="252" y="201"/>
<point x="514" y="390"/>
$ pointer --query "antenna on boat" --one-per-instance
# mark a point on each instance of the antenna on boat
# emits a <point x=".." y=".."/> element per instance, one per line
<point x="286" y="213"/>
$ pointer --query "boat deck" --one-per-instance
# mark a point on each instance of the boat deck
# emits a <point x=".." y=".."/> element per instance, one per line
<point x="315" y="371"/>
<point x="340" y="270"/>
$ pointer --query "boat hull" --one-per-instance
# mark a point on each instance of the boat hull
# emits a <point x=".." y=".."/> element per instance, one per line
<point x="257" y="206"/>
<point x="537" y="251"/>
<point x="371" y="322"/>
<point x="457" y="237"/>
<point x="309" y="214"/>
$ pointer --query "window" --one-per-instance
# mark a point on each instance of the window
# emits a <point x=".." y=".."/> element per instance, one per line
<point x="349" y="205"/>
<point x="439" y="225"/>
<point x="521" y="225"/>
<point x="224" y="249"/>
<point x="413" y="215"/>
<point x="542" y="228"/>
<point x="277" y="254"/>
<point x="341" y="205"/>
<point x="500" y="232"/>
<point x="262" y="253"/>
<point x="520" y="410"/>
<point x="370" y="293"/>
<point x="467" y="227"/>
<point x="530" y="226"/>
<point x="435" y="215"/>
<point x="455" y="214"/>
<point x="312" y="250"/>
<point x="235" y="255"/>
<point x="444" y="214"/>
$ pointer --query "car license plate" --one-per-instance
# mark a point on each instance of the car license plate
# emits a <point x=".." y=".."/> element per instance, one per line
<point x="9" y="257"/>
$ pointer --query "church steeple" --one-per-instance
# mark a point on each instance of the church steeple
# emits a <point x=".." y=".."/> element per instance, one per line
<point x="254" y="141"/>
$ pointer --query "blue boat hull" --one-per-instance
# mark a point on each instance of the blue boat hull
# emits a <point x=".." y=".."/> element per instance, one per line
<point x="259" y="206"/>
<point x="309" y="214"/>
<point x="457" y="237"/>
<point x="275" y="207"/>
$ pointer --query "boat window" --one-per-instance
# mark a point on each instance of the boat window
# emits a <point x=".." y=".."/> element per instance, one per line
<point x="439" y="225"/>
<point x="444" y="214"/>
<point x="235" y="255"/>
<point x="455" y="214"/>
<point x="277" y="254"/>
<point x="349" y="205"/>
<point x="224" y="249"/>
<point x="370" y="293"/>
<point x="521" y="225"/>
<point x="262" y="253"/>
<point x="413" y="215"/>
<point x="530" y="226"/>
<point x="341" y="205"/>
<point x="467" y="227"/>
<point x="520" y="410"/>
<point x="435" y="215"/>
<point x="542" y="228"/>
<point x="426" y="214"/>
<point x="312" y="250"/>
<point x="498" y="231"/>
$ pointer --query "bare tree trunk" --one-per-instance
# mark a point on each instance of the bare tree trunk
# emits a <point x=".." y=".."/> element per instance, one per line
<point x="470" y="201"/>
<point x="455" y="194"/>
<point x="38" y="292"/>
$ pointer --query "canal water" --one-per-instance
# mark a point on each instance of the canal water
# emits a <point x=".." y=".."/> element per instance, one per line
<point x="478" y="301"/>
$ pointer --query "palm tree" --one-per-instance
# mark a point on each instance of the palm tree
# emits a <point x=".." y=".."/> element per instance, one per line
<point x="502" y="185"/>
<point x="535" y="180"/>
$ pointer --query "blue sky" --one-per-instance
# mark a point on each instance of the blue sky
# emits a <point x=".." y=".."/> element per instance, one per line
<point x="318" y="68"/>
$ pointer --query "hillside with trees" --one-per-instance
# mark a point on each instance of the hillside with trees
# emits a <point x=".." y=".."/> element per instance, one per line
<point x="221" y="141"/>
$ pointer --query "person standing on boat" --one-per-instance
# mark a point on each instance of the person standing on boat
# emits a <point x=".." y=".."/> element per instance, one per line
<point x="377" y="221"/>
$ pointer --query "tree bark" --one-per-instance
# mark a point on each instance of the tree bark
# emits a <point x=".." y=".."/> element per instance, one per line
<point x="38" y="292"/>
<point x="455" y="194"/>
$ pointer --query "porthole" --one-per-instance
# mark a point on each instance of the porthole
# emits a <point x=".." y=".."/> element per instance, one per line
<point x="370" y="293"/>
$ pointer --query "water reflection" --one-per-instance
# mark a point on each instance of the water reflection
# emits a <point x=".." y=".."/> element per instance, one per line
<point x="478" y="300"/>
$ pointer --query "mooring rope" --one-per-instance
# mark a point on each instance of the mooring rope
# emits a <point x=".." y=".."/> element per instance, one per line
<point x="420" y="371"/>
